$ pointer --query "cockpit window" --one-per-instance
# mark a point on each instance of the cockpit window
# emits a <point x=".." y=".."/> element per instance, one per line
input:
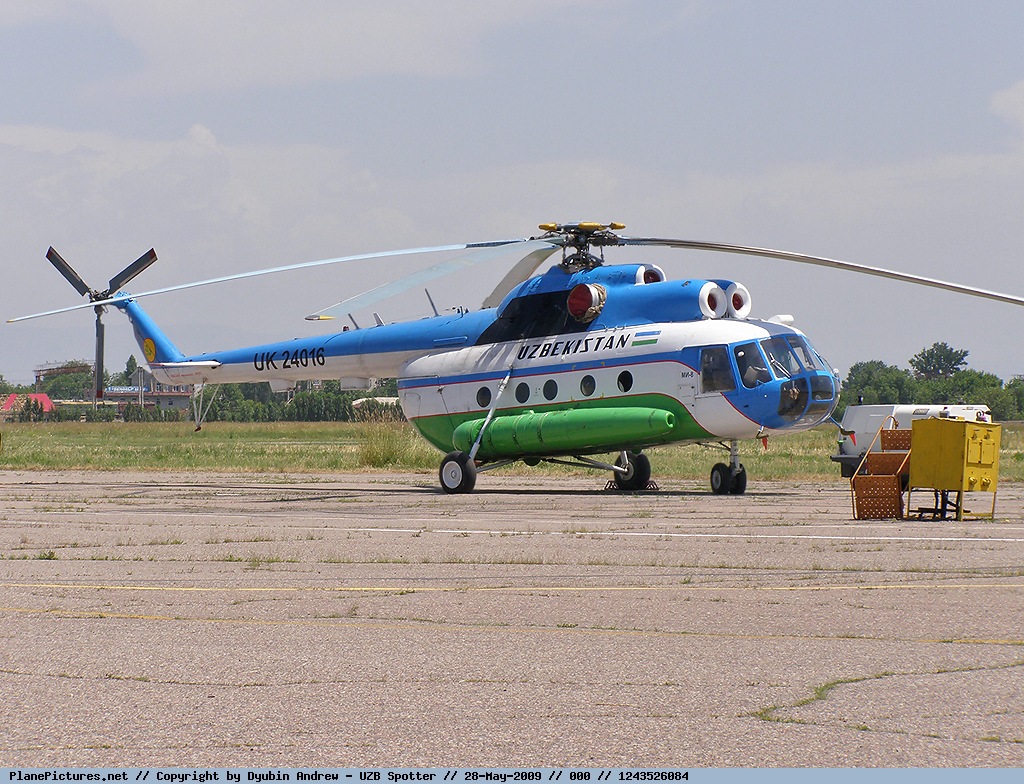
<point x="781" y="358"/>
<point x="751" y="365"/>
<point x="715" y="370"/>
<point x="804" y="352"/>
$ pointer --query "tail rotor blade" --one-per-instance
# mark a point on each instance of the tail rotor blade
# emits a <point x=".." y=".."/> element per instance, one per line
<point x="131" y="270"/>
<point x="65" y="269"/>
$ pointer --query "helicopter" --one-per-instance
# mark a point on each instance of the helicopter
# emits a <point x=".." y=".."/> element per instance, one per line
<point x="580" y="361"/>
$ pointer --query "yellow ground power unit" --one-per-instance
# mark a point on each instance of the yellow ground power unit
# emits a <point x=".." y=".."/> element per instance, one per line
<point x="955" y="456"/>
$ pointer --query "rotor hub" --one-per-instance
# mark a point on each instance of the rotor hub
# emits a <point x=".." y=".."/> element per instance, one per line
<point x="577" y="239"/>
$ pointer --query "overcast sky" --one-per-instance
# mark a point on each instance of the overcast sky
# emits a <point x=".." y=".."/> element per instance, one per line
<point x="238" y="135"/>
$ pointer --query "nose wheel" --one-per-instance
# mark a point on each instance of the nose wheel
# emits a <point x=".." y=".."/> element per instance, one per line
<point x="729" y="479"/>
<point x="725" y="482"/>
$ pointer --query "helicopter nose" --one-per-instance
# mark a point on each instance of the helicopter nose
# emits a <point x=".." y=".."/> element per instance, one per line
<point x="807" y="398"/>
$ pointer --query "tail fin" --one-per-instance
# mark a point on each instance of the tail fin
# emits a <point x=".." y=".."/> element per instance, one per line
<point x="156" y="346"/>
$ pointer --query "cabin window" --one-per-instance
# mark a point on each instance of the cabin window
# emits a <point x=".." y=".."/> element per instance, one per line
<point x="625" y="381"/>
<point x="588" y="386"/>
<point x="751" y="365"/>
<point x="550" y="389"/>
<point x="523" y="392"/>
<point x="715" y="370"/>
<point x="483" y="397"/>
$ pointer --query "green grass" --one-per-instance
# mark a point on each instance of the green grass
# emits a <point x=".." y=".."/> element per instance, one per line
<point x="278" y="446"/>
<point x="354" y="447"/>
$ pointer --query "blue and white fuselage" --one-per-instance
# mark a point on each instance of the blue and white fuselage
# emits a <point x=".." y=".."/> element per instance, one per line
<point x="604" y="338"/>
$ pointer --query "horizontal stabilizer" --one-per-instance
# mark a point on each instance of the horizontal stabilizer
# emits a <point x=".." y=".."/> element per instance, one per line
<point x="211" y="364"/>
<point x="185" y="372"/>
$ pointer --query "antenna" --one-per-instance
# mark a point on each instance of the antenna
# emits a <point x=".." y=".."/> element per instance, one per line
<point x="430" y="299"/>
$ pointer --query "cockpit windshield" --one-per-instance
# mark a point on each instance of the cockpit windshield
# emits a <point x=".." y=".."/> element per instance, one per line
<point x="806" y="386"/>
<point x="806" y="354"/>
<point x="781" y="358"/>
<point x="789" y="355"/>
<point x="808" y="390"/>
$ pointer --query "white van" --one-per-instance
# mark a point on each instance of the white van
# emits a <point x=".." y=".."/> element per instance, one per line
<point x="860" y="423"/>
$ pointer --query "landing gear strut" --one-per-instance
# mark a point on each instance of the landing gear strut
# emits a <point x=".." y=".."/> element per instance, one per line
<point x="729" y="479"/>
<point x="199" y="410"/>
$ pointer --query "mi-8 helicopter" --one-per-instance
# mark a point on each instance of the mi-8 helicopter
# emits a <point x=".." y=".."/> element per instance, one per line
<point x="583" y="360"/>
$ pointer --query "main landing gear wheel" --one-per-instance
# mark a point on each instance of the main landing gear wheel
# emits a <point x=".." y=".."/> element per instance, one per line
<point x="637" y="474"/>
<point x="458" y="473"/>
<point x="724" y="482"/>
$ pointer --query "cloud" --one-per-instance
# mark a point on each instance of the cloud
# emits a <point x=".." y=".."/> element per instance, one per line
<point x="193" y="45"/>
<point x="281" y="202"/>
<point x="106" y="183"/>
<point x="1009" y="104"/>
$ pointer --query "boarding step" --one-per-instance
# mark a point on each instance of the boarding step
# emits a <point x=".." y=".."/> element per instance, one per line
<point x="887" y="463"/>
<point x="877" y="486"/>
<point x="878" y="497"/>
<point x="896" y="440"/>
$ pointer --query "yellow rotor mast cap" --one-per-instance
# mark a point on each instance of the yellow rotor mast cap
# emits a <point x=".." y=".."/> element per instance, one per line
<point x="584" y="226"/>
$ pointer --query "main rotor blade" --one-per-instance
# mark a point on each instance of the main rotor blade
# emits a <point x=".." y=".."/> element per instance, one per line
<point x="68" y="309"/>
<point x="65" y="269"/>
<point x="523" y="270"/>
<point x="394" y="287"/>
<point x="822" y="261"/>
<point x="132" y="270"/>
<point x="272" y="270"/>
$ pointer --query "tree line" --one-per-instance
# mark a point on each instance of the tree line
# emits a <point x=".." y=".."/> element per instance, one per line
<point x="327" y="402"/>
<point x="937" y="375"/>
<point x="249" y="402"/>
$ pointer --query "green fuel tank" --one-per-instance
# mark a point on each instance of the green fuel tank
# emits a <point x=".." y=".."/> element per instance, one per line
<point x="575" y="430"/>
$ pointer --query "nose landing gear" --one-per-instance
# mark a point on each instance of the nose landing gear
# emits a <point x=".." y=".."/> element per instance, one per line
<point x="729" y="479"/>
<point x="725" y="482"/>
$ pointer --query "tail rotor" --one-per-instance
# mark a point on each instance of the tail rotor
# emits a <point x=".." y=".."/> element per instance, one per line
<point x="95" y="295"/>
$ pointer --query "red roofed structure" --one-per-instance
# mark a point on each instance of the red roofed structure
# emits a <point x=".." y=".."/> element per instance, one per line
<point x="15" y="403"/>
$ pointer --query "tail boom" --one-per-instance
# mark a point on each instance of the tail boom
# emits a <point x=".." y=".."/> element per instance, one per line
<point x="354" y="357"/>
